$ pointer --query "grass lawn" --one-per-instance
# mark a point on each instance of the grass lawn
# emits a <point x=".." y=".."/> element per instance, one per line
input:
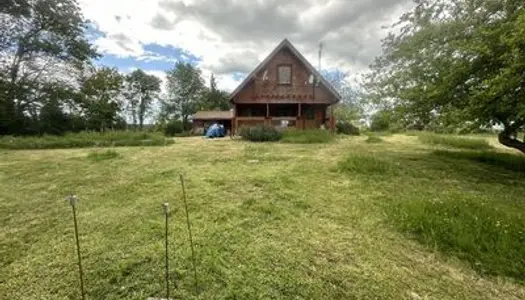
<point x="343" y="220"/>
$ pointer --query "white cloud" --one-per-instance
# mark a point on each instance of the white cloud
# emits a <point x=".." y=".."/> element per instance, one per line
<point x="231" y="36"/>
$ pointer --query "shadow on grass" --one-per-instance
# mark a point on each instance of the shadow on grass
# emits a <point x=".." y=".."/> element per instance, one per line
<point x="505" y="161"/>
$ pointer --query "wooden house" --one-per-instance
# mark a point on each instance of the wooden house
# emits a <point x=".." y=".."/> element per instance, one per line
<point x="284" y="90"/>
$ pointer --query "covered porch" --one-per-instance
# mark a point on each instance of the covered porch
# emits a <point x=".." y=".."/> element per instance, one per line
<point x="283" y="115"/>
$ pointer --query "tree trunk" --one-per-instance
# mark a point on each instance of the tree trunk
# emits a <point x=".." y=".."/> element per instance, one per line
<point x="506" y="138"/>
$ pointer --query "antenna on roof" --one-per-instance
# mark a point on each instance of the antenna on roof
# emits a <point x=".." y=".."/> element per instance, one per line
<point x="320" y="56"/>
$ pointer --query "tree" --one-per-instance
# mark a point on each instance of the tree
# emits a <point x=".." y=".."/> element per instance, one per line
<point x="141" y="89"/>
<point x="36" y="38"/>
<point x="185" y="90"/>
<point x="100" y="98"/>
<point x="352" y="107"/>
<point x="214" y="98"/>
<point x="458" y="57"/>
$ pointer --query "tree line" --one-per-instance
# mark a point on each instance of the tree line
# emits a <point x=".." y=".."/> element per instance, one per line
<point x="49" y="82"/>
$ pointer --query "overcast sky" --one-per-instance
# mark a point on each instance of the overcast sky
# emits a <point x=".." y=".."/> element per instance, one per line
<point x="229" y="37"/>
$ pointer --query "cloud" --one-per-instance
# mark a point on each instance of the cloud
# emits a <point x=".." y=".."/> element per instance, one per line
<point x="229" y="37"/>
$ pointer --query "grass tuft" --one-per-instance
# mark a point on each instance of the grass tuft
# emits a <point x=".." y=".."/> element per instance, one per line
<point x="307" y="136"/>
<point x="103" y="155"/>
<point x="372" y="139"/>
<point x="85" y="140"/>
<point x="454" y="141"/>
<point x="492" y="240"/>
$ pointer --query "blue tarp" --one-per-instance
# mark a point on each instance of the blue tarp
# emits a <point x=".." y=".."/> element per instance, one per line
<point x="215" y="131"/>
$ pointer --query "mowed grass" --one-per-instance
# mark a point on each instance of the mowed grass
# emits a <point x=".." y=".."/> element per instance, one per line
<point x="307" y="136"/>
<point x="270" y="221"/>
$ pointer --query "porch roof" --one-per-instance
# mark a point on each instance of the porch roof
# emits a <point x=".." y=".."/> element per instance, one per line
<point x="213" y="115"/>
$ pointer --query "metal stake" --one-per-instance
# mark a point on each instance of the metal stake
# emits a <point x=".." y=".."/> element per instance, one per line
<point x="73" y="201"/>
<point x="189" y="230"/>
<point x="166" y="208"/>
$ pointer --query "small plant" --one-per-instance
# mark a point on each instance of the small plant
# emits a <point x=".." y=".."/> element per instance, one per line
<point x="260" y="134"/>
<point x="103" y="155"/>
<point x="454" y="141"/>
<point x="307" y="136"/>
<point x="347" y="128"/>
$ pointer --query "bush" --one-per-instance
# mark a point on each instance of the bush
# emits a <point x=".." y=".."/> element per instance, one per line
<point x="347" y="128"/>
<point x="492" y="240"/>
<point x="307" y="136"/>
<point x="454" y="141"/>
<point x="85" y="140"/>
<point x="260" y="134"/>
<point x="173" y="128"/>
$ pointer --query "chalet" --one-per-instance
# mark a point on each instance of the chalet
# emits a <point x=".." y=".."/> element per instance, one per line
<point x="284" y="90"/>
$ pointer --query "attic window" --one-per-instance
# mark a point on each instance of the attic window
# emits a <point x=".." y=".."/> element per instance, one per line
<point x="284" y="74"/>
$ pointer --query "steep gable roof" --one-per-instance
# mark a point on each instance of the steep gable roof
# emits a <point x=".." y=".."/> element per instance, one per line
<point x="286" y="44"/>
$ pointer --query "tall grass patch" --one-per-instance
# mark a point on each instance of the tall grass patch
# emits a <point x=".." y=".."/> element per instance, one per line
<point x="293" y="136"/>
<point x="85" y="140"/>
<point x="103" y="155"/>
<point x="372" y="139"/>
<point x="454" y="141"/>
<point x="367" y="164"/>
<point x="503" y="160"/>
<point x="490" y="238"/>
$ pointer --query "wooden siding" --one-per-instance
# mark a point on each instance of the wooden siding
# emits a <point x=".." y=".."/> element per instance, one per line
<point x="270" y="91"/>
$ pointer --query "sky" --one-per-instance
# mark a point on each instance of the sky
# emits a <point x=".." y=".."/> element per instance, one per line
<point x="230" y="37"/>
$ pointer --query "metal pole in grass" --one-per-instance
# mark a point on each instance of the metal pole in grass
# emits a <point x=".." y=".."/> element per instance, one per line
<point x="189" y="230"/>
<point x="73" y="201"/>
<point x="166" y="208"/>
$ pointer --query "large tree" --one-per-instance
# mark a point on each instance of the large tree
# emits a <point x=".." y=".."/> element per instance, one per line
<point x="100" y="97"/>
<point x="185" y="89"/>
<point x="140" y="91"/>
<point x="459" y="58"/>
<point x="37" y="38"/>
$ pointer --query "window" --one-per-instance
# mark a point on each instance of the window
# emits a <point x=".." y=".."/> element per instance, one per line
<point x="284" y="74"/>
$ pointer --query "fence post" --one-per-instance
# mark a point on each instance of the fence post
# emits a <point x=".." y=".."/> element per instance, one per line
<point x="73" y="201"/>
<point x="166" y="208"/>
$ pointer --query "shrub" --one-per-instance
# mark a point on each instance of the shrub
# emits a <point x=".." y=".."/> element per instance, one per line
<point x="173" y="128"/>
<point x="454" y="141"/>
<point x="307" y="136"/>
<point x="260" y="134"/>
<point x="85" y="140"/>
<point x="492" y="240"/>
<point x="347" y="128"/>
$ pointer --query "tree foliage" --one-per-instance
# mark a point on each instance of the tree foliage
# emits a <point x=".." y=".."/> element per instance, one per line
<point x="214" y="98"/>
<point x="185" y="89"/>
<point x="39" y="40"/>
<point x="140" y="91"/>
<point x="457" y="58"/>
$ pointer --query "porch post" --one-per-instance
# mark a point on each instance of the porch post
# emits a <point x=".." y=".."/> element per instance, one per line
<point x="267" y="110"/>
<point x="332" y="119"/>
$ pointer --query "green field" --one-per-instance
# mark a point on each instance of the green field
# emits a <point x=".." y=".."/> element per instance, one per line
<point x="395" y="218"/>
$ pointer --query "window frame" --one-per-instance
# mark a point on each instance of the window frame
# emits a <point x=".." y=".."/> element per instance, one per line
<point x="279" y="76"/>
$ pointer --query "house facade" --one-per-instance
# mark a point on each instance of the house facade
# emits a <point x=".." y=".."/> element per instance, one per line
<point x="284" y="90"/>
